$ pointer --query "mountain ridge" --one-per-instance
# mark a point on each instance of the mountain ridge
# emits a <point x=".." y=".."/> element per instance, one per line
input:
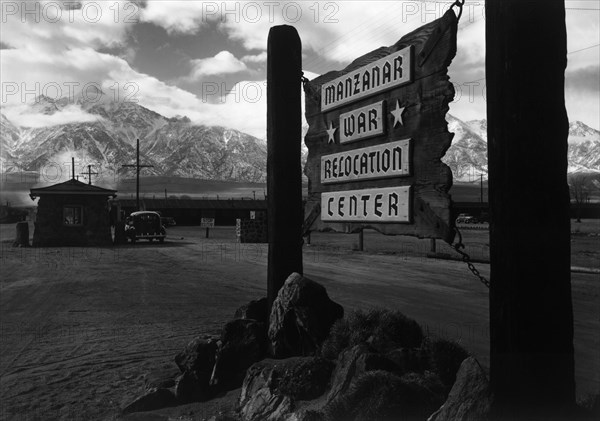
<point x="172" y="146"/>
<point x="176" y="147"/>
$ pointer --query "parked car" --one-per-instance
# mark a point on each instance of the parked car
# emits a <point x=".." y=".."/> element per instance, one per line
<point x="465" y="218"/>
<point x="145" y="225"/>
<point x="168" y="221"/>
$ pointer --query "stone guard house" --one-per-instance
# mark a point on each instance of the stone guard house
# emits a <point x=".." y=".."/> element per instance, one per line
<point x="72" y="214"/>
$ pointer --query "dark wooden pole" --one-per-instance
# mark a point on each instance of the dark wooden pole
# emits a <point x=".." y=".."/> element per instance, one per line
<point x="137" y="172"/>
<point x="531" y="315"/>
<point x="284" y="172"/>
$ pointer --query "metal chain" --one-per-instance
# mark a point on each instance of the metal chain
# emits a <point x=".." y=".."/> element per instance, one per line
<point x="467" y="259"/>
<point x="459" y="4"/>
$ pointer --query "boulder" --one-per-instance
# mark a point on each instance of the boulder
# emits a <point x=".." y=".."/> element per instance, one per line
<point x="430" y="381"/>
<point x="266" y="405"/>
<point x="352" y="363"/>
<point x="445" y="358"/>
<point x="188" y="388"/>
<point x="380" y="395"/>
<point x="301" y="317"/>
<point x="196" y="361"/>
<point x="154" y="399"/>
<point x="256" y="310"/>
<point x="161" y="378"/>
<point x="470" y="398"/>
<point x="198" y="356"/>
<point x="271" y="387"/>
<point x="243" y="342"/>
<point x="305" y="415"/>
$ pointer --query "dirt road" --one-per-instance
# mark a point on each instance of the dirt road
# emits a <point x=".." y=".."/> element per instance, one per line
<point x="80" y="327"/>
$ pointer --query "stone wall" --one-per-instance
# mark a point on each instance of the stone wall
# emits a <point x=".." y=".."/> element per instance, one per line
<point x="254" y="230"/>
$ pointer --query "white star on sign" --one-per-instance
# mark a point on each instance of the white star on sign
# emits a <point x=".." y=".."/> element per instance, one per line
<point x="330" y="131"/>
<point x="397" y="113"/>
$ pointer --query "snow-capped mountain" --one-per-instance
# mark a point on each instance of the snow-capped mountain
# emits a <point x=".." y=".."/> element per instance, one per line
<point x="467" y="157"/>
<point x="176" y="147"/>
<point x="172" y="145"/>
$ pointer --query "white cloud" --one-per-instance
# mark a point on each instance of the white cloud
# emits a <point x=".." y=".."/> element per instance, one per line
<point x="20" y="116"/>
<point x="244" y="108"/>
<point x="257" y="58"/>
<point x="30" y="25"/>
<point x="222" y="63"/>
<point x="64" y="52"/>
<point x="177" y="16"/>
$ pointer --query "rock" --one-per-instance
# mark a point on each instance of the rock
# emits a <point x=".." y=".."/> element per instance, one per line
<point x="470" y="398"/>
<point x="305" y="415"/>
<point x="271" y="387"/>
<point x="243" y="342"/>
<point x="188" y="388"/>
<point x="301" y="317"/>
<point x="445" y="358"/>
<point x="198" y="357"/>
<point x="196" y="361"/>
<point x="154" y="399"/>
<point x="222" y="417"/>
<point x="162" y="378"/>
<point x="428" y="380"/>
<point x="266" y="406"/>
<point x="303" y="378"/>
<point x="353" y="363"/>
<point x="256" y="309"/>
<point x="380" y="395"/>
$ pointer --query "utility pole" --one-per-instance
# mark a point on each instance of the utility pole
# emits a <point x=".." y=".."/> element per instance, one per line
<point x="137" y="167"/>
<point x="89" y="174"/>
<point x="531" y="312"/>
<point x="481" y="188"/>
<point x="73" y="168"/>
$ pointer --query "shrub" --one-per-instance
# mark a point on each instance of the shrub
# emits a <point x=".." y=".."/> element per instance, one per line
<point x="445" y="358"/>
<point x="379" y="395"/>
<point x="384" y="330"/>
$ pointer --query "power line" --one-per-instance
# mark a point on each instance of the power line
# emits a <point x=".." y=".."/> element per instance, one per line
<point x="570" y="52"/>
<point x="583" y="49"/>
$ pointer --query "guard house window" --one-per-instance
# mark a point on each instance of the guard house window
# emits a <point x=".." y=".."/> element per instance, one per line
<point x="72" y="215"/>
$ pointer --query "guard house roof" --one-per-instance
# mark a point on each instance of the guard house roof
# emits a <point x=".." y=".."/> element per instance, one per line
<point x="72" y="186"/>
<point x="245" y="204"/>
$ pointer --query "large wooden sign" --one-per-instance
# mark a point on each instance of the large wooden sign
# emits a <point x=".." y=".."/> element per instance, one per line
<point x="377" y="133"/>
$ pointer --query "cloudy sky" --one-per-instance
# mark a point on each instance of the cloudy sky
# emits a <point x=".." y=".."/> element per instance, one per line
<point x="207" y="60"/>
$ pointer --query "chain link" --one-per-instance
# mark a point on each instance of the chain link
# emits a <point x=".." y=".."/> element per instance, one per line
<point x="459" y="4"/>
<point x="467" y="259"/>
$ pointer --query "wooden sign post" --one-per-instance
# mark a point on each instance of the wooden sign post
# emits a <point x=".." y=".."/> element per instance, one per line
<point x="531" y="315"/>
<point x="377" y="132"/>
<point x="284" y="172"/>
<point x="207" y="223"/>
